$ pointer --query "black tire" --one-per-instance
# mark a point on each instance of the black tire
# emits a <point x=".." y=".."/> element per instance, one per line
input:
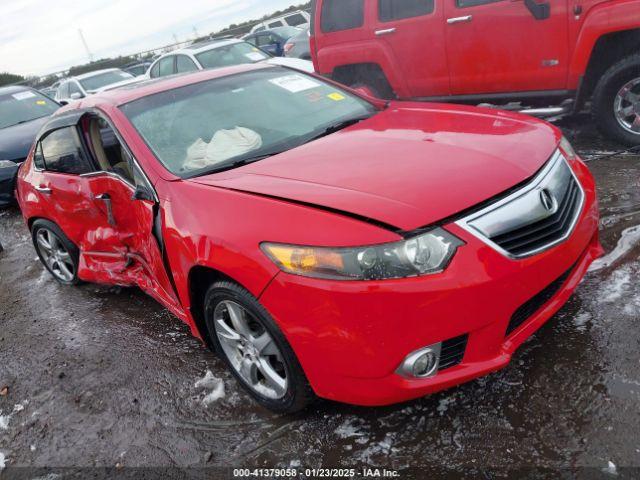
<point x="299" y="394"/>
<point x="71" y="248"/>
<point x="604" y="96"/>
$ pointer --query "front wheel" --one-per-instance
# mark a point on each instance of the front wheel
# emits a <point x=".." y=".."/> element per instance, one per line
<point x="616" y="101"/>
<point x="254" y="349"/>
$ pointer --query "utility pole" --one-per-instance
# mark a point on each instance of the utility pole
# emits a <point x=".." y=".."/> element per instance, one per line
<point x="195" y="33"/>
<point x="86" y="47"/>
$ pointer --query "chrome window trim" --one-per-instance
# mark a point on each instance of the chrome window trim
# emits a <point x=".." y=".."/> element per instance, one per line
<point x="466" y="223"/>
<point x="101" y="173"/>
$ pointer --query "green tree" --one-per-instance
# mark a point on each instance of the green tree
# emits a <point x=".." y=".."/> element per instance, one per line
<point x="7" y="78"/>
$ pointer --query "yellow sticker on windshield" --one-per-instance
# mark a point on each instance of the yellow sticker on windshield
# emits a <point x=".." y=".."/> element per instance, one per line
<point x="40" y="102"/>
<point x="336" y="96"/>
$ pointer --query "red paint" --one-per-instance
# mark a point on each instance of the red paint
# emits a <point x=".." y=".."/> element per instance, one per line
<point x="500" y="49"/>
<point x="408" y="166"/>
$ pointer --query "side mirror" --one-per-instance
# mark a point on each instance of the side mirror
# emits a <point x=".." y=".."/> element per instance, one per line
<point x="63" y="102"/>
<point x="143" y="193"/>
<point x="76" y="96"/>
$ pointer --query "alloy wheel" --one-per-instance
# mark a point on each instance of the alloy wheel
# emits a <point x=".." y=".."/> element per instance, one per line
<point x="55" y="255"/>
<point x="627" y="106"/>
<point x="251" y="350"/>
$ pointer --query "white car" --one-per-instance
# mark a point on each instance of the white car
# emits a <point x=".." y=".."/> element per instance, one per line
<point x="75" y="88"/>
<point x="216" y="54"/>
<point x="298" y="18"/>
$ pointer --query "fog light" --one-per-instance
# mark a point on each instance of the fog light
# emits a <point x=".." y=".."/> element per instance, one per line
<point x="424" y="365"/>
<point x="421" y="363"/>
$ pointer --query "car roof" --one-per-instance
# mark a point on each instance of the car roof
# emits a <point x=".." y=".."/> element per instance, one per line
<point x="95" y="72"/>
<point x="208" y="45"/>
<point x="13" y="89"/>
<point x="136" y="91"/>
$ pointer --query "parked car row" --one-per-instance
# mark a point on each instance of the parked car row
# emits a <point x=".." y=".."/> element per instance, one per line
<point x="216" y="54"/>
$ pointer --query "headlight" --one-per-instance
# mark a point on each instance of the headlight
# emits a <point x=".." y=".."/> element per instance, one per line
<point x="7" y="164"/>
<point x="425" y="254"/>
<point x="567" y="149"/>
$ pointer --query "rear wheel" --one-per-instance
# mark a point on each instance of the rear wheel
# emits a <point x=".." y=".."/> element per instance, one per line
<point x="616" y="101"/>
<point x="254" y="349"/>
<point x="56" y="252"/>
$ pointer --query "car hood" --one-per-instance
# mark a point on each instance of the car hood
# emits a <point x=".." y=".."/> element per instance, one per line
<point x="409" y="166"/>
<point x="295" y="63"/>
<point x="16" y="141"/>
<point x="123" y="83"/>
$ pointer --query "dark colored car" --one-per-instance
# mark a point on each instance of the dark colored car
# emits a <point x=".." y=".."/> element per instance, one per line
<point x="298" y="46"/>
<point x="23" y="111"/>
<point x="272" y="41"/>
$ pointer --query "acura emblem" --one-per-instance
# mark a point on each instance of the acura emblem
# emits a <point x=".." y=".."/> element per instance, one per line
<point x="548" y="201"/>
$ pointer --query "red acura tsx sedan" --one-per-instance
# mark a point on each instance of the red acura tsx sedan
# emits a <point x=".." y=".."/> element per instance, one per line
<point x="323" y="243"/>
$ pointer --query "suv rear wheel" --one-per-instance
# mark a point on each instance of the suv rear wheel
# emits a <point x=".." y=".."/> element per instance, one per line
<point x="616" y="101"/>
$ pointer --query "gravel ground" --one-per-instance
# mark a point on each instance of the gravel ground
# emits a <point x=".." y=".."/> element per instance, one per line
<point x="101" y="380"/>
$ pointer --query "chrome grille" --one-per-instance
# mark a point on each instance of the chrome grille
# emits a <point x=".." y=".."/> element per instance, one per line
<point x="534" y="218"/>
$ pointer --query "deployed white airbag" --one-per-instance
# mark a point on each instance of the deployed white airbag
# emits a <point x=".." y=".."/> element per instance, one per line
<point x="224" y="145"/>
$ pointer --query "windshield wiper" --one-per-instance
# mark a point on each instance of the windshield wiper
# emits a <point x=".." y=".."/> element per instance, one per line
<point x="336" y="127"/>
<point x="236" y="164"/>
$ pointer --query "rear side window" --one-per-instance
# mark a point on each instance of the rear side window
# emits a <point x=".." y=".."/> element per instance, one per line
<point x="341" y="15"/>
<point x="296" y="19"/>
<point x="389" y="10"/>
<point x="62" y="152"/>
<point x="185" y="64"/>
<point x="473" y="3"/>
<point x="155" y="71"/>
<point x="275" y="24"/>
<point x="166" y="66"/>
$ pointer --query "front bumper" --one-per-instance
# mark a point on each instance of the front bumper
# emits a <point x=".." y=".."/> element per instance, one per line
<point x="350" y="337"/>
<point x="7" y="185"/>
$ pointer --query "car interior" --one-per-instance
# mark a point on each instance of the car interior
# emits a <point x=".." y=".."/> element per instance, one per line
<point x="106" y="148"/>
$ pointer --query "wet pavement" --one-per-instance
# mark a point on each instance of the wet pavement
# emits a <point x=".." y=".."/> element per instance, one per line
<point x="105" y="377"/>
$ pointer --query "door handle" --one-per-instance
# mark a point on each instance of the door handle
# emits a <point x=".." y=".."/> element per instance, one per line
<point x="466" y="18"/>
<point x="386" y="31"/>
<point x="106" y="198"/>
<point x="45" y="190"/>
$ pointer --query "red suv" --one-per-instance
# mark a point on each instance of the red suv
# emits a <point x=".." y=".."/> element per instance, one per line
<point x="564" y="52"/>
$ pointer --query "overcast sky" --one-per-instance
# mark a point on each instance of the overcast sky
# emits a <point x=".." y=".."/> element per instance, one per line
<point x="41" y="36"/>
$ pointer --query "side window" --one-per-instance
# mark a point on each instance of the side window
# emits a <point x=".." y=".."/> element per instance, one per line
<point x="155" y="71"/>
<point x="63" y="90"/>
<point x="38" y="158"/>
<point x="108" y="152"/>
<point x="262" y="40"/>
<point x="296" y="19"/>
<point x="275" y="24"/>
<point x="339" y="15"/>
<point x="62" y="152"/>
<point x="166" y="66"/>
<point x="260" y="29"/>
<point x="389" y="10"/>
<point x="185" y="64"/>
<point x="74" y="88"/>
<point x="473" y="3"/>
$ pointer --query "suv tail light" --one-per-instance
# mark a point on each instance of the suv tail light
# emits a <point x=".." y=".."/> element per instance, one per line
<point x="288" y="47"/>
